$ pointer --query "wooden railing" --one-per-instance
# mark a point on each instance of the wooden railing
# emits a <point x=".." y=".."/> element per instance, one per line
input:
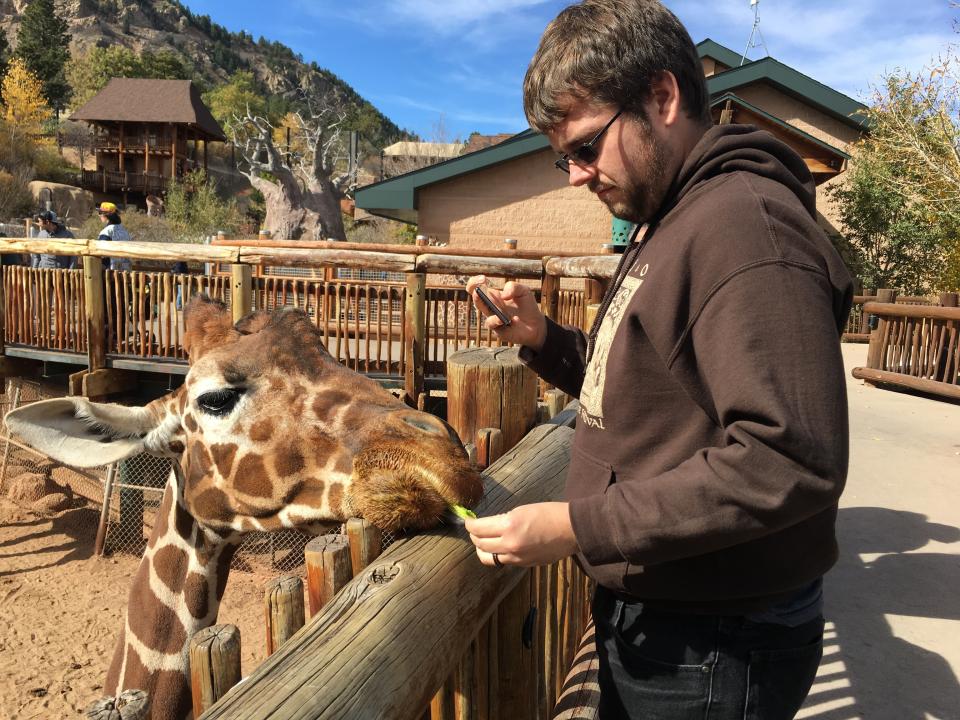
<point x="915" y="347"/>
<point x="112" y="180"/>
<point x="44" y="308"/>
<point x="425" y="625"/>
<point x="858" y="323"/>
<point x="405" y="331"/>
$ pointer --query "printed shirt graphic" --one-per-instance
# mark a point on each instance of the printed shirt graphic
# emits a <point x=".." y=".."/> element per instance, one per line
<point x="591" y="394"/>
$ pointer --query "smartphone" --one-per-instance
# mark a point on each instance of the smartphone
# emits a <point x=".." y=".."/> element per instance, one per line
<point x="485" y="299"/>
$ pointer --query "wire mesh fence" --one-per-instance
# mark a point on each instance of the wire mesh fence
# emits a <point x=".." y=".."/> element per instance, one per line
<point x="38" y="483"/>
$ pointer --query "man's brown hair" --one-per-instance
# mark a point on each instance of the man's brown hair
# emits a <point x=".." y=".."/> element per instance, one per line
<point x="608" y="51"/>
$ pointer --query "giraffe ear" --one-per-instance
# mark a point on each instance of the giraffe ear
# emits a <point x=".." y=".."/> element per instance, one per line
<point x="77" y="432"/>
<point x="208" y="324"/>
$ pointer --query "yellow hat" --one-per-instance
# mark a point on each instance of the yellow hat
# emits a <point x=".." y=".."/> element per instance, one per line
<point x="107" y="208"/>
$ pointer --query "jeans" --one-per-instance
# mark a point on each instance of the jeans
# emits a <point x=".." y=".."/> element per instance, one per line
<point x="657" y="665"/>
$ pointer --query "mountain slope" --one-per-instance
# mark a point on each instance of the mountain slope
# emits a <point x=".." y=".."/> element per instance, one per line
<point x="210" y="49"/>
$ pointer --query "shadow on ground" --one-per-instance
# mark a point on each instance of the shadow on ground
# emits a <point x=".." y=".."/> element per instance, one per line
<point x="867" y="670"/>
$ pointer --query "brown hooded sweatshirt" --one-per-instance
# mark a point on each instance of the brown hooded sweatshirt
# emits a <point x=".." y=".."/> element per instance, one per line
<point x="711" y="446"/>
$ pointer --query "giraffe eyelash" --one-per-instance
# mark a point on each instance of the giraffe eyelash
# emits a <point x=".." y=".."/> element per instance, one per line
<point x="219" y="402"/>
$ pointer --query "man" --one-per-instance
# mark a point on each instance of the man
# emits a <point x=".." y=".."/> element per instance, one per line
<point x="51" y="227"/>
<point x="711" y="443"/>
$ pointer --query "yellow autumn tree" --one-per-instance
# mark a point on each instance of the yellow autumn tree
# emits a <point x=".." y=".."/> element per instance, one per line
<point x="24" y="110"/>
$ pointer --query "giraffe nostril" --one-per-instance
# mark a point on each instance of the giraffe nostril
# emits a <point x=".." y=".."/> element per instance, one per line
<point x="429" y="424"/>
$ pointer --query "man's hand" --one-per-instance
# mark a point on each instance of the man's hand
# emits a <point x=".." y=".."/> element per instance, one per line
<point x="528" y="326"/>
<point x="528" y="535"/>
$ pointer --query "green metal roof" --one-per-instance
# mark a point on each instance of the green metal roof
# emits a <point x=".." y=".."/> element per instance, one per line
<point x="709" y="48"/>
<point x="774" y="119"/>
<point x="396" y="197"/>
<point x="793" y="83"/>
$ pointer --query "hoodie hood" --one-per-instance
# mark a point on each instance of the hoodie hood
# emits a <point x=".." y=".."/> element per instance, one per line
<point x="727" y="149"/>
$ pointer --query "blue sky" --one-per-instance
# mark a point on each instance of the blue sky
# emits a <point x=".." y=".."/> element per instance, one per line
<point x="445" y="68"/>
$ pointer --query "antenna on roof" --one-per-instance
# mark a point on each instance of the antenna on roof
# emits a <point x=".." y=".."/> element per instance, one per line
<point x="756" y="37"/>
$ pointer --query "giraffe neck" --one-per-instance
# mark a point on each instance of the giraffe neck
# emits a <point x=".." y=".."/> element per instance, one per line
<point x="175" y="593"/>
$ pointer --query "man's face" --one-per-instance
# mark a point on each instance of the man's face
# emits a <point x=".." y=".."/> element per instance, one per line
<point x="630" y="174"/>
<point x="47" y="225"/>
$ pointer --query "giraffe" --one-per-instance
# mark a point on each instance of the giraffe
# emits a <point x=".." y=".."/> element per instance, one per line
<point x="268" y="431"/>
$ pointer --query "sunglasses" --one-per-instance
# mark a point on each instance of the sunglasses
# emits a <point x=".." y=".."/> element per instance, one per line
<point x="587" y="153"/>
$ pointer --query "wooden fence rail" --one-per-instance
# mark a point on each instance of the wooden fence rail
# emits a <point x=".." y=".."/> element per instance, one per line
<point x="134" y="320"/>
<point x="916" y="347"/>
<point x="390" y="638"/>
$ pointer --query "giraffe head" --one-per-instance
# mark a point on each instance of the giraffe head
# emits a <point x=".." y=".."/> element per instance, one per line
<point x="270" y="431"/>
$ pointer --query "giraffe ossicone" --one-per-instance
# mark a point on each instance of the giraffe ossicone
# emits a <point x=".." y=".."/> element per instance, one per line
<point x="268" y="431"/>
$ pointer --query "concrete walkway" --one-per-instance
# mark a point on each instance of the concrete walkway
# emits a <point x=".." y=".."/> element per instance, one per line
<point x="893" y="601"/>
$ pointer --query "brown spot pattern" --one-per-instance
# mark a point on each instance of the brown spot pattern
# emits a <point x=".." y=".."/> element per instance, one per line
<point x="252" y="478"/>
<point x="327" y="402"/>
<point x="287" y="460"/>
<point x="176" y="447"/>
<point x="335" y="498"/>
<point x="170" y="564"/>
<point x="223" y="455"/>
<point x="212" y="506"/>
<point x="262" y="430"/>
<point x="151" y="620"/>
<point x="190" y="423"/>
<point x="197" y="595"/>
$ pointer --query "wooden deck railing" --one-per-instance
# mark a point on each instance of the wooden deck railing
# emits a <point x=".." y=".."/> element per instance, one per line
<point x="426" y="612"/>
<point x="915" y="347"/>
<point x="404" y="331"/>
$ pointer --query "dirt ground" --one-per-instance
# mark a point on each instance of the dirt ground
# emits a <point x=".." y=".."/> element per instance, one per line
<point x="62" y="610"/>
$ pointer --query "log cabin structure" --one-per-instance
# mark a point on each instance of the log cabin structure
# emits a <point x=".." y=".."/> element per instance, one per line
<point x="147" y="133"/>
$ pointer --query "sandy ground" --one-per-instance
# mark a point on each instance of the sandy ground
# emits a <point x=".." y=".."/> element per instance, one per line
<point x="893" y="647"/>
<point x="62" y="610"/>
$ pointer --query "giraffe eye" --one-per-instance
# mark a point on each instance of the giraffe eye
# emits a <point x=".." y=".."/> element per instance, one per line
<point x="219" y="402"/>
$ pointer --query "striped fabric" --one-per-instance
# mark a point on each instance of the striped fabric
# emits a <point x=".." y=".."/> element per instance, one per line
<point x="580" y="696"/>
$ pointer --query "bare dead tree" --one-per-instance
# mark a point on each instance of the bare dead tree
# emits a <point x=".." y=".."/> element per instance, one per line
<point x="302" y="189"/>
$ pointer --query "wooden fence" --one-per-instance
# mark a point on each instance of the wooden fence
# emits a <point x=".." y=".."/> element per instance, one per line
<point x="915" y="346"/>
<point x="402" y="331"/>
<point x="425" y="631"/>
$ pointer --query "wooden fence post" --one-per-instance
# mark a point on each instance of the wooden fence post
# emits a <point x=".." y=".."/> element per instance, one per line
<point x="241" y="290"/>
<point x="128" y="705"/>
<point x="415" y="336"/>
<point x="516" y="695"/>
<point x="366" y="543"/>
<point x="95" y="310"/>
<point x="550" y="295"/>
<point x="490" y="387"/>
<point x="948" y="299"/>
<point x="328" y="568"/>
<point x="489" y="446"/>
<point x="283" y="605"/>
<point x="876" y="351"/>
<point x="214" y="665"/>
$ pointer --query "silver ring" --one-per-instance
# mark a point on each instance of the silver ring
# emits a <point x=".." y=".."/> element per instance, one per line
<point x="496" y="560"/>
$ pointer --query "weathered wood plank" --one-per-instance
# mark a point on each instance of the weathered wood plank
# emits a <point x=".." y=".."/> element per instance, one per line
<point x="162" y="251"/>
<point x="59" y="246"/>
<point x="385" y="644"/>
<point x="296" y="257"/>
<point x="591" y="266"/>
<point x="932" y="312"/>
<point x="474" y="265"/>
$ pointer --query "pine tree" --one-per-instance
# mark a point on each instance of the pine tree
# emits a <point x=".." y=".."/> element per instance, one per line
<point x="44" y="45"/>
<point x="4" y="57"/>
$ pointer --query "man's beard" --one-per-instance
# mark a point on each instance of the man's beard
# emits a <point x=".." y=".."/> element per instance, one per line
<point x="643" y="193"/>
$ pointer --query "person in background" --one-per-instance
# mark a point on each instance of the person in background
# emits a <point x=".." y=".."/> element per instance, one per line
<point x="113" y="230"/>
<point x="712" y="439"/>
<point x="51" y="227"/>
